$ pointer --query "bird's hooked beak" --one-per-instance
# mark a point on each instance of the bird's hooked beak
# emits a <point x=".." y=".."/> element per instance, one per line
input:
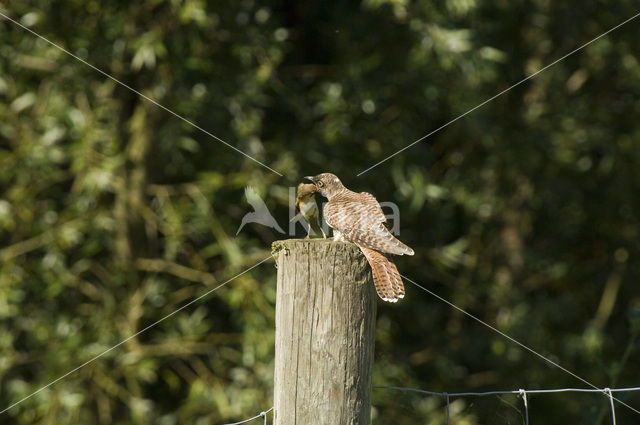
<point x="312" y="178"/>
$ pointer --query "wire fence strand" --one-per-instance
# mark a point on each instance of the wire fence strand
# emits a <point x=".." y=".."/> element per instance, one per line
<point x="515" y="341"/>
<point x="446" y="396"/>
<point x="261" y="414"/>
<point x="500" y="94"/>
<point x="133" y="336"/>
<point x="605" y="391"/>
<point x="613" y="408"/>
<point x="147" y="98"/>
<point x="523" y="394"/>
<point x="608" y="392"/>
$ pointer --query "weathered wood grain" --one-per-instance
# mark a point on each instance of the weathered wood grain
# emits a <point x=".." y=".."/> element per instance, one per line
<point x="325" y="322"/>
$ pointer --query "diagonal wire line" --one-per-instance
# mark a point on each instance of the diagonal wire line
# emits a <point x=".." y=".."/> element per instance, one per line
<point x="134" y="335"/>
<point x="515" y="341"/>
<point x="501" y="93"/>
<point x="208" y="133"/>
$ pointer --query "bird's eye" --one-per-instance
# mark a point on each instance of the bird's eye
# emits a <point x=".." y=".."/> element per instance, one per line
<point x="320" y="183"/>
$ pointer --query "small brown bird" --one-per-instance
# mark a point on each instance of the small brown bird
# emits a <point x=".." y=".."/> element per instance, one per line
<point x="358" y="218"/>
<point x="308" y="209"/>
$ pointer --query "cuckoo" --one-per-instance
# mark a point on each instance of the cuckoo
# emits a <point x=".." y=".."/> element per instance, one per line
<point x="358" y="218"/>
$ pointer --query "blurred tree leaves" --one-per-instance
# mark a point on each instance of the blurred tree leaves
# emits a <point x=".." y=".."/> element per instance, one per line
<point x="113" y="213"/>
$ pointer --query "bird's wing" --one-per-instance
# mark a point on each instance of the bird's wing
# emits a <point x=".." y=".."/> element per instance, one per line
<point x="359" y="218"/>
<point x="372" y="199"/>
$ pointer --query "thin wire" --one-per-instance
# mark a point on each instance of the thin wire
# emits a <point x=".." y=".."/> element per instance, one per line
<point x="514" y="341"/>
<point x="613" y="409"/>
<point x="415" y="390"/>
<point x="446" y="396"/>
<point x="263" y="414"/>
<point x="500" y="94"/>
<point x="523" y="394"/>
<point x="139" y="93"/>
<point x="134" y="335"/>
<point x="517" y="392"/>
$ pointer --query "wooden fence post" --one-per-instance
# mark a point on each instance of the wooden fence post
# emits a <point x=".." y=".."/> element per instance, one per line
<point x="325" y="323"/>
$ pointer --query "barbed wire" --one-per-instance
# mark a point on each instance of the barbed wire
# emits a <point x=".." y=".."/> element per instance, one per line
<point x="261" y="414"/>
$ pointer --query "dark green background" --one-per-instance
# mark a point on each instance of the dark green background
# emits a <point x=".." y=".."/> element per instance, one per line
<point x="524" y="213"/>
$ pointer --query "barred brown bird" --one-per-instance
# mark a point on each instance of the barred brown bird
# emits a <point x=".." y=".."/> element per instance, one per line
<point x="357" y="217"/>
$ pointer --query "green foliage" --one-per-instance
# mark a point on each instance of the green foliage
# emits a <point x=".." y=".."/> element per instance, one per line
<point x="114" y="213"/>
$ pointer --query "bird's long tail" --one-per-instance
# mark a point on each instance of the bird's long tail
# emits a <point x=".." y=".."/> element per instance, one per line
<point x="386" y="277"/>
